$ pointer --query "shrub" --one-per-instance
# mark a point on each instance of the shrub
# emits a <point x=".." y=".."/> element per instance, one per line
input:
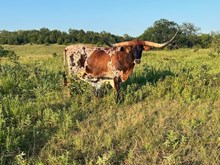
<point x="3" y="52"/>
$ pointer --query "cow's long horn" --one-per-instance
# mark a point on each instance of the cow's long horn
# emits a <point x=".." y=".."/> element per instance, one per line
<point x="158" y="45"/>
<point x="126" y="43"/>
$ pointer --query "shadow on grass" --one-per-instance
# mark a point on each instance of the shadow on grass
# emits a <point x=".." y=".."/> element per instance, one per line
<point x="147" y="75"/>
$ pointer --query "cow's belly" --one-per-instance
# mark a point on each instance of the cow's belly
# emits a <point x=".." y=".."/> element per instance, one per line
<point x="94" y="80"/>
<point x="98" y="82"/>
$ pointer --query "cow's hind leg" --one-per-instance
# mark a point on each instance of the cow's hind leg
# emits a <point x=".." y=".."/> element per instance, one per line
<point x="65" y="83"/>
<point x="117" y="81"/>
<point x="97" y="86"/>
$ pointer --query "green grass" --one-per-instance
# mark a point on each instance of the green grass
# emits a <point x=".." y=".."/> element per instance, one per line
<point x="168" y="113"/>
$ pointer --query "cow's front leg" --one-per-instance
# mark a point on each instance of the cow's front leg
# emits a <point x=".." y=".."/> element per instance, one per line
<point x="117" y="81"/>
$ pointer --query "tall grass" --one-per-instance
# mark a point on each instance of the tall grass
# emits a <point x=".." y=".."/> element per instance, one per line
<point x="168" y="113"/>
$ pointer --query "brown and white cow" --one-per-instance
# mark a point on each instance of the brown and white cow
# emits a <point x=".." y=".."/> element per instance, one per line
<point x="114" y="64"/>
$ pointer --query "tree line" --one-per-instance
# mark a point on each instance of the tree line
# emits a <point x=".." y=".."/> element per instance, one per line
<point x="46" y="36"/>
<point x="162" y="30"/>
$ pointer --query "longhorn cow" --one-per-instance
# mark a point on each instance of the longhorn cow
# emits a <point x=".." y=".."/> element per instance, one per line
<point x="114" y="64"/>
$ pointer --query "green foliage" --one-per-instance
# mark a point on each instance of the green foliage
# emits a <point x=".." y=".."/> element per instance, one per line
<point x="188" y="37"/>
<point x="3" y="52"/>
<point x="161" y="31"/>
<point x="216" y="43"/>
<point x="204" y="41"/>
<point x="46" y="36"/>
<point x="168" y="112"/>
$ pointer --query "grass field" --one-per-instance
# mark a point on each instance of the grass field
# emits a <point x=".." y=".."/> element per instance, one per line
<point x="169" y="111"/>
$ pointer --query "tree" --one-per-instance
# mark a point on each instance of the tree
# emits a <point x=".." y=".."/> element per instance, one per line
<point x="81" y="36"/>
<point x="189" y="35"/>
<point x="32" y="36"/>
<point x="205" y="40"/>
<point x="3" y="36"/>
<point x="65" y="37"/>
<point x="127" y="37"/>
<point x="73" y="35"/>
<point x="189" y="29"/>
<point x="54" y="35"/>
<point x="44" y="36"/>
<point x="60" y="40"/>
<point x="162" y="30"/>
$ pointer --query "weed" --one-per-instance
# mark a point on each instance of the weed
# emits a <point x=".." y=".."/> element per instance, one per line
<point x="168" y="114"/>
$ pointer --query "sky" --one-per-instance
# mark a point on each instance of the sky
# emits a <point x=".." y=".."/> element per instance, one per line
<point x="118" y="17"/>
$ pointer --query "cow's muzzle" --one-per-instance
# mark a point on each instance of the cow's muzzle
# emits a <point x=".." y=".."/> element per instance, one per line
<point x="137" y="61"/>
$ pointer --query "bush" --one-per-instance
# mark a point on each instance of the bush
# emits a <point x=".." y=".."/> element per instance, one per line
<point x="3" y="52"/>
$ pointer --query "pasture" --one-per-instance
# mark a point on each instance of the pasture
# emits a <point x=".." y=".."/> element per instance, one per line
<point x="168" y="113"/>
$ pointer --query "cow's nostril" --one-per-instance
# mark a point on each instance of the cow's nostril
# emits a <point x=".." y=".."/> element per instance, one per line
<point x="137" y="61"/>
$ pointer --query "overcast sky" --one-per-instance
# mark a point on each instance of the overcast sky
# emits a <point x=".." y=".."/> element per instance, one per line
<point x="115" y="16"/>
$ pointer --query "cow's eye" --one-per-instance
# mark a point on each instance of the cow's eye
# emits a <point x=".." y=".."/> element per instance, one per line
<point x="122" y="49"/>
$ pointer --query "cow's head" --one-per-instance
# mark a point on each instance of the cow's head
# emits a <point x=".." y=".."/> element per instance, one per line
<point x="136" y="47"/>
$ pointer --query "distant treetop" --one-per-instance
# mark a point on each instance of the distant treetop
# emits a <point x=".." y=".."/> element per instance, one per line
<point x="161" y="30"/>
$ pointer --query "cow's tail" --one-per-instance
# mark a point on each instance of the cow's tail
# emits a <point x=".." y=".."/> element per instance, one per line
<point x="64" y="72"/>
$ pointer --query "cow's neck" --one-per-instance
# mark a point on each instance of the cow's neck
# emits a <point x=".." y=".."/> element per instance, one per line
<point x="124" y="62"/>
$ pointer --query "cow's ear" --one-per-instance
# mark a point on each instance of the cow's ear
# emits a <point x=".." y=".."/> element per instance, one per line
<point x="128" y="49"/>
<point x="146" y="48"/>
